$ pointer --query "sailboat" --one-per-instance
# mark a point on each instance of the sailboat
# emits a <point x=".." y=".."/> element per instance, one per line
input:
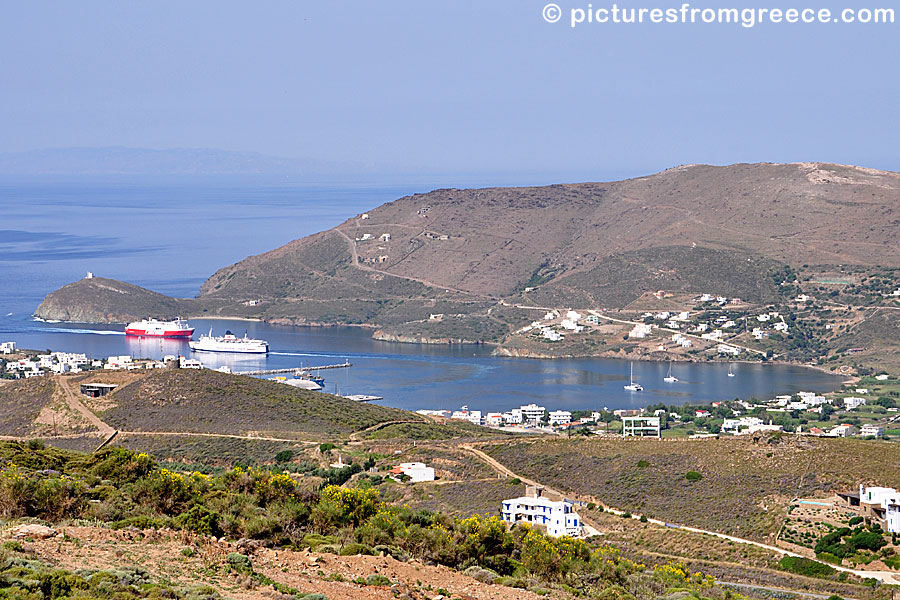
<point x="633" y="386"/>
<point x="670" y="378"/>
<point x="730" y="370"/>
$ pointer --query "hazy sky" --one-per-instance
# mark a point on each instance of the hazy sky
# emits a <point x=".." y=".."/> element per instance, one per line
<point x="448" y="85"/>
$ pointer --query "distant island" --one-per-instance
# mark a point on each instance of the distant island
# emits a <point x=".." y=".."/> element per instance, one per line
<point x="794" y="262"/>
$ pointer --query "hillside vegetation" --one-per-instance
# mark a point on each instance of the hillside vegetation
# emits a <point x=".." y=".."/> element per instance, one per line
<point x="261" y="507"/>
<point x="743" y="488"/>
<point x="206" y="401"/>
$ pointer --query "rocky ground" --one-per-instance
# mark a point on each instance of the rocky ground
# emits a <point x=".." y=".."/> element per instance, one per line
<point x="183" y="559"/>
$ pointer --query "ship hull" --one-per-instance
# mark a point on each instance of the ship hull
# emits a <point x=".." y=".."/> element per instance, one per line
<point x="184" y="334"/>
<point x="230" y="350"/>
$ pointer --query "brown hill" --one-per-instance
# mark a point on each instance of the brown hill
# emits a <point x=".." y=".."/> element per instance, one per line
<point x="728" y="230"/>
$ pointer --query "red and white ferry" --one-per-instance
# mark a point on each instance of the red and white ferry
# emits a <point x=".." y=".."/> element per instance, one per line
<point x="153" y="328"/>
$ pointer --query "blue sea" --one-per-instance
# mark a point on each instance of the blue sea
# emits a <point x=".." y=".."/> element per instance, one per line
<point x="170" y="234"/>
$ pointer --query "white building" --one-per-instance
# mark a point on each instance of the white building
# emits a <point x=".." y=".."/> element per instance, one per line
<point x="415" y="471"/>
<point x="189" y="363"/>
<point x="551" y="334"/>
<point x="852" y="402"/>
<point x="558" y="417"/>
<point x="571" y="325"/>
<point x="640" y="331"/>
<point x="558" y="518"/>
<point x="729" y="350"/>
<point x="493" y="419"/>
<point x="513" y="417"/>
<point x="532" y="413"/>
<point x="7" y="347"/>
<point x="871" y="429"/>
<point x="117" y="362"/>
<point x="842" y="430"/>
<point x="433" y="413"/>
<point x="641" y="427"/>
<point x="883" y="503"/>
<point x="464" y="414"/>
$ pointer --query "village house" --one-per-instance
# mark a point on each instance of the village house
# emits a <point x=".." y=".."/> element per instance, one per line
<point x="532" y="413"/>
<point x="7" y="347"/>
<point x="464" y="414"/>
<point x="842" y="430"/>
<point x="416" y="472"/>
<point x="513" y="417"/>
<point x="189" y="363"/>
<point x="881" y="503"/>
<point x="558" y="417"/>
<point x="557" y="518"/>
<point x="493" y="419"/>
<point x="852" y="402"/>
<point x="871" y="429"/>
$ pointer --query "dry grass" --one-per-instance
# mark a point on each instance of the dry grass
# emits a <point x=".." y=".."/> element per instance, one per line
<point x="746" y="485"/>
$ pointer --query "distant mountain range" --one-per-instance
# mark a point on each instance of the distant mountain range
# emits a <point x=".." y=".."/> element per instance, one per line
<point x="119" y="160"/>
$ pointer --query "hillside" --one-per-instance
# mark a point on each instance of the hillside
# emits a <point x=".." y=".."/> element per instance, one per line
<point x="179" y="402"/>
<point x="745" y="486"/>
<point x="472" y="256"/>
<point x="203" y="401"/>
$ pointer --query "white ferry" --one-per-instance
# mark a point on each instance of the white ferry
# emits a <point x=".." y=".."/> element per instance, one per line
<point x="229" y="343"/>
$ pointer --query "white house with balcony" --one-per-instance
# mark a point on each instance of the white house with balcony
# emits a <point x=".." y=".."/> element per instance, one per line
<point x="532" y="413"/>
<point x="557" y="518"/>
<point x="558" y="417"/>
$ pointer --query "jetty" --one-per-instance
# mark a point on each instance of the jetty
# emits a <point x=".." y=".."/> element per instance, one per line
<point x="295" y="369"/>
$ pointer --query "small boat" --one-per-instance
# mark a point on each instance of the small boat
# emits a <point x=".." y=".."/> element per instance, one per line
<point x="730" y="371"/>
<point x="633" y="386"/>
<point x="670" y="378"/>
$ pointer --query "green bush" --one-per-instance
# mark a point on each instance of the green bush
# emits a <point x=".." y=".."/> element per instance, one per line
<point x="693" y="476"/>
<point x="200" y="519"/>
<point x="239" y="562"/>
<point x="355" y="548"/>
<point x="284" y="456"/>
<point x="806" y="566"/>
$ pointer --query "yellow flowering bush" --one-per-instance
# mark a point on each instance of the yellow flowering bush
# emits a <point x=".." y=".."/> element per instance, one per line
<point x="340" y="506"/>
<point x="677" y="575"/>
<point x="52" y="497"/>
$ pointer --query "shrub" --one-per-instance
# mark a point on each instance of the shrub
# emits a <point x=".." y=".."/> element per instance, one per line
<point x="855" y="521"/>
<point x="643" y="464"/>
<point x="805" y="566"/>
<point x="200" y="519"/>
<point x="239" y="562"/>
<point x="284" y="456"/>
<point x="163" y="491"/>
<point x="693" y="476"/>
<point x="355" y="548"/>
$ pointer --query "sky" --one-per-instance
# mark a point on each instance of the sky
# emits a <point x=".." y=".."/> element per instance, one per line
<point x="449" y="85"/>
